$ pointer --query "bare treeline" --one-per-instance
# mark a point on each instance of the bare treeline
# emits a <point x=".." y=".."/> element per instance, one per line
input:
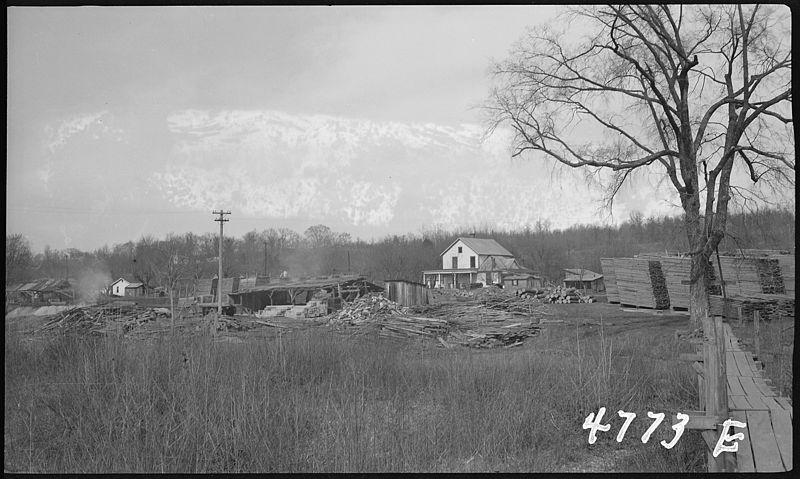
<point x="170" y="261"/>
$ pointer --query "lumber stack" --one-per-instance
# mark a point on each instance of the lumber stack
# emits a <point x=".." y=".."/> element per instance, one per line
<point x="770" y="306"/>
<point x="740" y="274"/>
<point x="659" y="284"/>
<point x="786" y="264"/>
<point x="607" y="266"/>
<point x="785" y="267"/>
<point x="633" y="282"/>
<point x="677" y="271"/>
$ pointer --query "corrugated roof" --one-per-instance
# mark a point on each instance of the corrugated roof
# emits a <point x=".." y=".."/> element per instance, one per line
<point x="134" y="285"/>
<point x="482" y="246"/>
<point x="581" y="275"/>
<point x="307" y="283"/>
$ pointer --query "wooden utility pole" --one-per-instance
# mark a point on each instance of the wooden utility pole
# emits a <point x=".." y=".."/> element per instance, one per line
<point x="265" y="258"/>
<point x="221" y="220"/>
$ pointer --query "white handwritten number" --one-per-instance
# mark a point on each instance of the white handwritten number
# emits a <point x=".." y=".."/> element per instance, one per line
<point x="658" y="418"/>
<point x="683" y="419"/>
<point x="720" y="447"/>
<point x="629" y="417"/>
<point x="593" y="424"/>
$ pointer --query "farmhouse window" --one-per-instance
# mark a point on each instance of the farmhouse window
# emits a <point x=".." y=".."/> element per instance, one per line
<point x="471" y="261"/>
<point x="455" y="262"/>
<point x="459" y="249"/>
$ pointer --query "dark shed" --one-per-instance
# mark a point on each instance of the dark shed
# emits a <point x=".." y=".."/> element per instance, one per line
<point x="406" y="293"/>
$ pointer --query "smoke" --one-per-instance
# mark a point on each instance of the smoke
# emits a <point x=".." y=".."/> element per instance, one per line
<point x="91" y="283"/>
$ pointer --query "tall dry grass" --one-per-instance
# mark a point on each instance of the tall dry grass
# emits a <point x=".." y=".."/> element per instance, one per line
<point x="320" y="402"/>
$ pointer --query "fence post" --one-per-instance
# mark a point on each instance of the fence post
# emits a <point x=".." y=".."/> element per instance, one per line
<point x="716" y="385"/>
<point x="739" y="314"/>
<point x="757" y="332"/>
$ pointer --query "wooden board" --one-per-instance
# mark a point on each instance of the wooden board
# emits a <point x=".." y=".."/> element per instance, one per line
<point x="750" y="387"/>
<point x="738" y="402"/>
<point x="730" y="362"/>
<point x="735" y="386"/>
<point x="782" y="427"/>
<point x="744" y="456"/>
<point x="766" y="454"/>
<point x="741" y="361"/>
<point x="762" y="385"/>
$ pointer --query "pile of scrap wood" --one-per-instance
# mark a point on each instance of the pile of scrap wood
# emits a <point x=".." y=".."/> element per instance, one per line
<point x="102" y="319"/>
<point x="481" y="323"/>
<point x="564" y="295"/>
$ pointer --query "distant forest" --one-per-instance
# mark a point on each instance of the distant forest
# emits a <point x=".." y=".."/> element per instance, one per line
<point x="179" y="258"/>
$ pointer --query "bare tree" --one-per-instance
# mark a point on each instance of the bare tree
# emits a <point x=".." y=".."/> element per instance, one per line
<point x="699" y="94"/>
<point x="18" y="258"/>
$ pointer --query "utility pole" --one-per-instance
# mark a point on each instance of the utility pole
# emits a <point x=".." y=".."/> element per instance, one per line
<point x="222" y="221"/>
<point x="265" y="258"/>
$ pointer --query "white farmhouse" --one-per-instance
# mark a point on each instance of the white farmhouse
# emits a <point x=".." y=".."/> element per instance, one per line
<point x="472" y="260"/>
<point x="124" y="287"/>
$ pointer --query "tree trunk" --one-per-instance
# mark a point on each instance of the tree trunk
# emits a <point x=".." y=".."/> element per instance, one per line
<point x="698" y="290"/>
<point x="172" y="311"/>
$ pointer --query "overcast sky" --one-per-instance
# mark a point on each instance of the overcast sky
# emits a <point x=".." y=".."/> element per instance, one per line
<point x="127" y="121"/>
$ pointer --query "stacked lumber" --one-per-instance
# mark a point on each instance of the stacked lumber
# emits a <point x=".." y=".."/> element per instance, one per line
<point x="770" y="306"/>
<point x="677" y="271"/>
<point x="633" y="282"/>
<point x="786" y="264"/>
<point x="659" y="284"/>
<point x="785" y="267"/>
<point x="612" y="293"/>
<point x="740" y="274"/>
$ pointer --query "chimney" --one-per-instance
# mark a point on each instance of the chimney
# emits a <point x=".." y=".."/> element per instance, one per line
<point x="472" y="235"/>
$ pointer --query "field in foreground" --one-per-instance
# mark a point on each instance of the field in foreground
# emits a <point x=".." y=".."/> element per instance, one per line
<point x="318" y="401"/>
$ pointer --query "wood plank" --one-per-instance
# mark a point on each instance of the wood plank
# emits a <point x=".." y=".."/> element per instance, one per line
<point x="699" y="421"/>
<point x="749" y="387"/>
<point x="744" y="456"/>
<point x="771" y="403"/>
<point x="782" y="427"/>
<point x="757" y="403"/>
<point x="786" y="403"/>
<point x="762" y="385"/>
<point x="740" y="403"/>
<point x="741" y="362"/>
<point x="735" y="386"/>
<point x="730" y="362"/>
<point x="766" y="454"/>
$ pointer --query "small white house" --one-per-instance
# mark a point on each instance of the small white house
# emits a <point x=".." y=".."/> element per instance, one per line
<point x="124" y="287"/>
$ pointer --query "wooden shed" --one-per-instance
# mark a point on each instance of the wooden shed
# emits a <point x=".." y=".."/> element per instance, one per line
<point x="406" y="293"/>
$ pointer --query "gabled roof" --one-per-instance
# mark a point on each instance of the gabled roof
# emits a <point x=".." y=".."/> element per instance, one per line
<point x="578" y="274"/>
<point x="125" y="278"/>
<point x="481" y="246"/>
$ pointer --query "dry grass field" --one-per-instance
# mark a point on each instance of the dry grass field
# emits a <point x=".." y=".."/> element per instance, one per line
<point x="317" y="401"/>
